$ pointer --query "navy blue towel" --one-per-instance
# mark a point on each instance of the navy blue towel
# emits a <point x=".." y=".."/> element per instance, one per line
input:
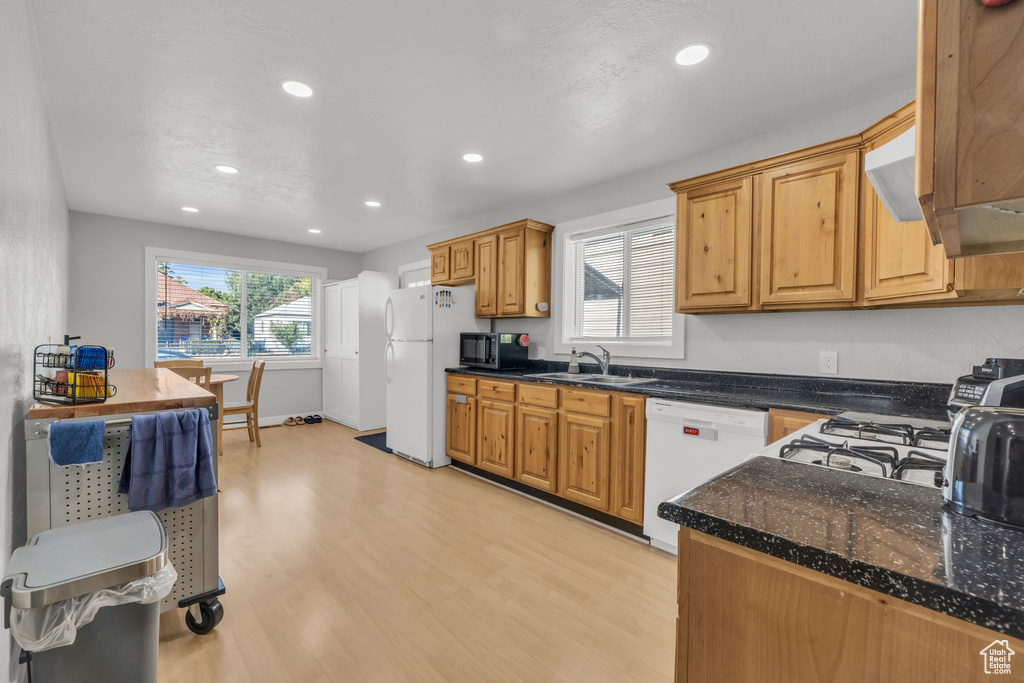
<point x="169" y="461"/>
<point x="76" y="443"/>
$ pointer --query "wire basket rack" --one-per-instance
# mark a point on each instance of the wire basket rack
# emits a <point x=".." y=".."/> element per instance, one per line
<point x="71" y="375"/>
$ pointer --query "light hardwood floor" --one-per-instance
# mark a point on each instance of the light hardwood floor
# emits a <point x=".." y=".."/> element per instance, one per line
<point x="343" y="563"/>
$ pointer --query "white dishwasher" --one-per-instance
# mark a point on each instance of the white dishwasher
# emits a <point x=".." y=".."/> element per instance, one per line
<point x="688" y="444"/>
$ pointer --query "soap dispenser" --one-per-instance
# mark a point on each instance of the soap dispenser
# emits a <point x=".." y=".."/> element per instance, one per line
<point x="574" y="363"/>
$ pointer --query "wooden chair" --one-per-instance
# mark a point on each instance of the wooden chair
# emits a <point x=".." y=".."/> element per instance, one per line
<point x="251" y="410"/>
<point x="200" y="376"/>
<point x="181" y="363"/>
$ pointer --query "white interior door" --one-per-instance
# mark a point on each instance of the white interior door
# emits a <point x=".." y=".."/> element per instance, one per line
<point x="348" y="353"/>
<point x="332" y="350"/>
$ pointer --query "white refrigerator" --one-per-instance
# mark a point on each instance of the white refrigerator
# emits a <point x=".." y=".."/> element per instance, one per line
<point x="423" y="326"/>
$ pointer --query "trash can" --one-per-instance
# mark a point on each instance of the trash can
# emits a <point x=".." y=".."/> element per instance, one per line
<point x="105" y="577"/>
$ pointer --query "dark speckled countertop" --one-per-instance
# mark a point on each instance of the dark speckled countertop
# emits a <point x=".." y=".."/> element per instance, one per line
<point x="885" y="535"/>
<point x="750" y="390"/>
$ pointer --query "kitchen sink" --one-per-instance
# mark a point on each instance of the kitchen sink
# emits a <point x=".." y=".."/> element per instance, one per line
<point x="614" y="379"/>
<point x="579" y="377"/>
<point x="591" y="379"/>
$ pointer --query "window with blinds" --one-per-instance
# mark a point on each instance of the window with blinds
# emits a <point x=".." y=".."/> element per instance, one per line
<point x="622" y="282"/>
<point x="226" y="313"/>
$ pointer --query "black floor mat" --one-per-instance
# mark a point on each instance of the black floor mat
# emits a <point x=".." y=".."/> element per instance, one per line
<point x="378" y="441"/>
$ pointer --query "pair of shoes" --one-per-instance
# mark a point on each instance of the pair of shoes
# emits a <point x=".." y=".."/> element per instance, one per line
<point x="313" y="419"/>
<point x="293" y="421"/>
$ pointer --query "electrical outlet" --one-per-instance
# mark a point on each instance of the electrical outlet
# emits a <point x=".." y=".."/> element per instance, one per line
<point x="829" y="363"/>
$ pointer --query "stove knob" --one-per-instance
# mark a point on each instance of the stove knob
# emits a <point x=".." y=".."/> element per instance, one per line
<point x="940" y="481"/>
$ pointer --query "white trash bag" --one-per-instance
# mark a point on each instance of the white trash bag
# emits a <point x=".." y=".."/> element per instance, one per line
<point x="42" y="628"/>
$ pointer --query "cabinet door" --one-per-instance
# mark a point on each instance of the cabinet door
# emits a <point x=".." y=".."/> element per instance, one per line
<point x="583" y="457"/>
<point x="627" y="462"/>
<point x="713" y="246"/>
<point x="440" y="265"/>
<point x="901" y="262"/>
<point x="537" y="447"/>
<point x="462" y="261"/>
<point x="996" y="276"/>
<point x="512" y="272"/>
<point x="460" y="435"/>
<point x="809" y="232"/>
<point x="496" y="428"/>
<point x="782" y="423"/>
<point x="487" y="276"/>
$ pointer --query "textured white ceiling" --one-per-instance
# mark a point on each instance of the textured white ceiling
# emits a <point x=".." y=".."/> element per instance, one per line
<point x="145" y="97"/>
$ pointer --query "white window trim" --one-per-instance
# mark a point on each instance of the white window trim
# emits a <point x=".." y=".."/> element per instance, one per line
<point x="316" y="273"/>
<point x="563" y="286"/>
<point x="408" y="267"/>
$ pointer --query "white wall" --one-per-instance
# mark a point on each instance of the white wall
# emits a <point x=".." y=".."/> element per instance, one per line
<point x="33" y="264"/>
<point x="929" y="345"/>
<point x="107" y="304"/>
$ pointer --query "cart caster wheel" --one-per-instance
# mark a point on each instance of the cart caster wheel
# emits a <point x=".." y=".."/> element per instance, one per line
<point x="210" y="613"/>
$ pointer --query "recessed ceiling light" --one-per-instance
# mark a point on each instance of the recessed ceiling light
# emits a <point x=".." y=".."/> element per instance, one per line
<point x="297" y="89"/>
<point x="472" y="157"/>
<point x="224" y="168"/>
<point x="314" y="231"/>
<point x="692" y="54"/>
<point x="190" y="209"/>
<point x="373" y="203"/>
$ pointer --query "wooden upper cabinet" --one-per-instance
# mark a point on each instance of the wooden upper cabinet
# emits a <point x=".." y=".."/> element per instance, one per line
<point x="440" y="266"/>
<point x="988" y="277"/>
<point x="487" y="276"/>
<point x="510" y="265"/>
<point x="463" y="259"/>
<point x="970" y="143"/>
<point x="901" y="262"/>
<point x="809" y="231"/>
<point x="714" y="243"/>
<point x="512" y="272"/>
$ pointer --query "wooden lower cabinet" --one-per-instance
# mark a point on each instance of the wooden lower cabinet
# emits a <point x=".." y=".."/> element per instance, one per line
<point x="584" y="445"/>
<point x="496" y="436"/>
<point x="629" y="446"/>
<point x="747" y="616"/>
<point x="583" y="462"/>
<point x="537" y="447"/>
<point x="460" y="436"/>
<point x="782" y="423"/>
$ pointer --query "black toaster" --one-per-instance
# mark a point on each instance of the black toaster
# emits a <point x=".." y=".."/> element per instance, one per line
<point x="984" y="475"/>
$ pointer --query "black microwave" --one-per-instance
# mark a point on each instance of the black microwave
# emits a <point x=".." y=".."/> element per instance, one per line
<point x="494" y="350"/>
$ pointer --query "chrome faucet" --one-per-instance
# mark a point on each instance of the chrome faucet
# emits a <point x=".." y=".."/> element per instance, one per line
<point x="602" y="362"/>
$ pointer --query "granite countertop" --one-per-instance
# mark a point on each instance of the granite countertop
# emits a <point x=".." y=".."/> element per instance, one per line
<point x="812" y="394"/>
<point x="885" y="535"/>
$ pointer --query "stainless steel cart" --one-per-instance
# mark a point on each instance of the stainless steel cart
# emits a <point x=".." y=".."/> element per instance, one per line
<point x="59" y="496"/>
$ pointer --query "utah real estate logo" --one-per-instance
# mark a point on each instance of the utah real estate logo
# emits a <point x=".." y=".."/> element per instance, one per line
<point x="997" y="657"/>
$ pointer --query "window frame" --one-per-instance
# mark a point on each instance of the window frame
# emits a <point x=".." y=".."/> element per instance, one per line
<point x="317" y="275"/>
<point x="564" y="260"/>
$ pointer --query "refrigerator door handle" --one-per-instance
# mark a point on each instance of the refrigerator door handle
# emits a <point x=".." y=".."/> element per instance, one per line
<point x="389" y="318"/>
<point x="389" y="359"/>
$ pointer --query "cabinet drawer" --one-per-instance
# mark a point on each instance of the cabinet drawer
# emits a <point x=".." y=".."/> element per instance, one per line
<point x="589" y="402"/>
<point x="503" y="391"/>
<point x="538" y="395"/>
<point x="461" y="385"/>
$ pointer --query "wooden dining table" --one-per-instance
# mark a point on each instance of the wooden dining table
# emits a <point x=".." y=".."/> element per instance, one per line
<point x="217" y="383"/>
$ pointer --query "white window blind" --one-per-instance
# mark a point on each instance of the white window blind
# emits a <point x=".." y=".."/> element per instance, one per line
<point x="226" y="313"/>
<point x="623" y="282"/>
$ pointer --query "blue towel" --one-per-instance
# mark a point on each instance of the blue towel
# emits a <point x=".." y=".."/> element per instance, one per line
<point x="77" y="443"/>
<point x="169" y="461"/>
